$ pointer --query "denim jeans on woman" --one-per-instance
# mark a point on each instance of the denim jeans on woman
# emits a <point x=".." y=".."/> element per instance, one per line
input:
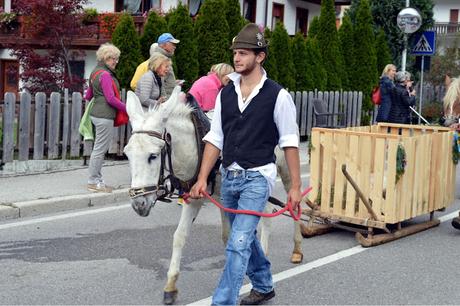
<point x="104" y="131"/>
<point x="247" y="190"/>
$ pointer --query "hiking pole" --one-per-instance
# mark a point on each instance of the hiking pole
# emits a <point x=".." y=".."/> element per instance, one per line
<point x="420" y="116"/>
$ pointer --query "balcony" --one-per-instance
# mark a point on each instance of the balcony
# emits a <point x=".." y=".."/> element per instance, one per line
<point x="93" y="35"/>
<point x="446" y="28"/>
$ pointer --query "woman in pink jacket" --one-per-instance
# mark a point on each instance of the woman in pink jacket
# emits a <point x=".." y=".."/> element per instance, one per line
<point x="206" y="88"/>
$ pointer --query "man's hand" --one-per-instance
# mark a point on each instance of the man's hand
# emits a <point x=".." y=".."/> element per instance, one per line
<point x="161" y="99"/>
<point x="294" y="196"/>
<point x="198" y="189"/>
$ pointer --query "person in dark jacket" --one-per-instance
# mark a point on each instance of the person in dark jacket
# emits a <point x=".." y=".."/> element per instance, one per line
<point x="401" y="100"/>
<point x="386" y="87"/>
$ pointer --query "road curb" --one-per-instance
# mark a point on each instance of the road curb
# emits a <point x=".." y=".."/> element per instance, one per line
<point x="52" y="205"/>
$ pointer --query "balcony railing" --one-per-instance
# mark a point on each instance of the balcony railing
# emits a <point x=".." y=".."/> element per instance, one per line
<point x="446" y="27"/>
<point x="91" y="38"/>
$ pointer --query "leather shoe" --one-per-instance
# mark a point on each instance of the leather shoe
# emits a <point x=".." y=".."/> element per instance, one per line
<point x="257" y="298"/>
<point x="456" y="223"/>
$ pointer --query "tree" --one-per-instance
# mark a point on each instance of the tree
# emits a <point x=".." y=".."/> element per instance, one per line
<point x="314" y="59"/>
<point x="383" y="51"/>
<point x="126" y="39"/>
<point x="384" y="14"/>
<point x="303" y="75"/>
<point x="211" y="32"/>
<point x="234" y="19"/>
<point x="329" y="45"/>
<point x="270" y="62"/>
<point x="186" y="55"/>
<point x="54" y="24"/>
<point x="347" y="48"/>
<point x="365" y="68"/>
<point x="154" y="27"/>
<point x="313" y="29"/>
<point x="283" y="57"/>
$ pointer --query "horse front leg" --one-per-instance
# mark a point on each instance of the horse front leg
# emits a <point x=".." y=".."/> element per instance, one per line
<point x="265" y="230"/>
<point x="189" y="213"/>
<point x="297" y="254"/>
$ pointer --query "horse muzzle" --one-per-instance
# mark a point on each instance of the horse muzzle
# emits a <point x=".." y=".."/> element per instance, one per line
<point x="143" y="204"/>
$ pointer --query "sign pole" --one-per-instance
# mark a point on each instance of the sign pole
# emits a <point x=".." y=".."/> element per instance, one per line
<point x="421" y="87"/>
<point x="404" y="53"/>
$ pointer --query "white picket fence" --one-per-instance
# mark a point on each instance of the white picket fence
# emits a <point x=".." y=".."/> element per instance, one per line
<point x="42" y="127"/>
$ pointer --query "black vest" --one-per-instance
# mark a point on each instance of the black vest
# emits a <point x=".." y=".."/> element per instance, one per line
<point x="249" y="137"/>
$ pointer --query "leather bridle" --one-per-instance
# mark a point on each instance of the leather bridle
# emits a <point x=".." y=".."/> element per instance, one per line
<point x="161" y="190"/>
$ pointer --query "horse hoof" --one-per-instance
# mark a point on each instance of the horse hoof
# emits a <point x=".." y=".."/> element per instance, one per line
<point x="169" y="297"/>
<point x="296" y="258"/>
<point x="456" y="223"/>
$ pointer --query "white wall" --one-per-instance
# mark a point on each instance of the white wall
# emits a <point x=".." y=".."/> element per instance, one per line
<point x="441" y="9"/>
<point x="101" y="5"/>
<point x="5" y="54"/>
<point x="290" y="10"/>
<point x="90" y="62"/>
<point x="167" y="5"/>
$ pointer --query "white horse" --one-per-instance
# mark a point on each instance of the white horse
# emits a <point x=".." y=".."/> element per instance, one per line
<point x="144" y="151"/>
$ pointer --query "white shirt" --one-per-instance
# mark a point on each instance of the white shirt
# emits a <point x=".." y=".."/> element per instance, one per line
<point x="284" y="116"/>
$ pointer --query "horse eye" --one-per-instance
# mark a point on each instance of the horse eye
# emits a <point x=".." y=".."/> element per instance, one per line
<point x="152" y="157"/>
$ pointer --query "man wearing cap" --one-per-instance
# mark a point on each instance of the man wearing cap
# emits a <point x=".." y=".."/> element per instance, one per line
<point x="252" y="115"/>
<point x="165" y="45"/>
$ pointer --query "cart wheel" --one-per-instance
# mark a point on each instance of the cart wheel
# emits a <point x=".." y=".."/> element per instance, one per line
<point x="456" y="223"/>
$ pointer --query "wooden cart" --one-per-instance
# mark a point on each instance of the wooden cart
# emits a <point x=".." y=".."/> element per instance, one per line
<point x="356" y="185"/>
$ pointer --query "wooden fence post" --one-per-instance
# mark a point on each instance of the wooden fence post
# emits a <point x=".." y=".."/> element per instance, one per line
<point x="8" y="127"/>
<point x="75" y="138"/>
<point x="24" y="126"/>
<point x="39" y="125"/>
<point x="65" y="124"/>
<point x="53" y="125"/>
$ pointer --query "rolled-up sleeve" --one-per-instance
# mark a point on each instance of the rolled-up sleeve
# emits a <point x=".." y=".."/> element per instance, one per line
<point x="285" y="120"/>
<point x="215" y="136"/>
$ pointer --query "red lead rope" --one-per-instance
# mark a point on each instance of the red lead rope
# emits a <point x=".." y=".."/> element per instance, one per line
<point x="294" y="212"/>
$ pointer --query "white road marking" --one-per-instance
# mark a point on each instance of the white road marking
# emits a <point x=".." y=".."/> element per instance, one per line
<point x="312" y="265"/>
<point x="64" y="216"/>
<point x="79" y="213"/>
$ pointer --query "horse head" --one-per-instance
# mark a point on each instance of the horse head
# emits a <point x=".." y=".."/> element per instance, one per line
<point x="145" y="148"/>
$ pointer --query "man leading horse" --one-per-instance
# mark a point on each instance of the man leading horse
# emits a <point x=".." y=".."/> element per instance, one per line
<point x="253" y="115"/>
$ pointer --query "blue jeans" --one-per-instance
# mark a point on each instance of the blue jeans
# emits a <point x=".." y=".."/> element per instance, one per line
<point x="243" y="190"/>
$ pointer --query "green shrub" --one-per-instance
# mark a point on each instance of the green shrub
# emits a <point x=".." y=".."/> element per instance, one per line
<point x="154" y="27"/>
<point x="126" y="39"/>
<point x="211" y="32"/>
<point x="186" y="54"/>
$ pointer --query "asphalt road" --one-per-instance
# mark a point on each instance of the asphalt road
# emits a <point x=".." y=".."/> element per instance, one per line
<point x="112" y="256"/>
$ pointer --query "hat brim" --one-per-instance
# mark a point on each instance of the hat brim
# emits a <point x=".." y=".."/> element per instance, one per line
<point x="245" y="45"/>
<point x="174" y="41"/>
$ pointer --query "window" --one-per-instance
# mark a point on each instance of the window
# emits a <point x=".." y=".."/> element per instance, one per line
<point x="277" y="14"/>
<point x="453" y="20"/>
<point x="301" y="23"/>
<point x="194" y="6"/>
<point x="249" y="10"/>
<point x="137" y="6"/>
<point x="453" y="16"/>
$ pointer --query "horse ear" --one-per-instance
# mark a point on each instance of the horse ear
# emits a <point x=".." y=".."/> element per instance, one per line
<point x="133" y="106"/>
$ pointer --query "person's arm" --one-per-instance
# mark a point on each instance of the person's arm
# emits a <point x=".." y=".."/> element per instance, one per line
<point x="146" y="85"/>
<point x="107" y="89"/>
<point x="291" y="154"/>
<point x="285" y="120"/>
<point x="214" y="144"/>
<point x="210" y="156"/>
<point x="89" y="93"/>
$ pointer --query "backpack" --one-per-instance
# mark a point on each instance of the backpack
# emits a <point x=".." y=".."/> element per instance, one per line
<point x="376" y="98"/>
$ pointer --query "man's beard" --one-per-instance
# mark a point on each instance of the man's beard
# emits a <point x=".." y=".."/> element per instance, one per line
<point x="249" y="68"/>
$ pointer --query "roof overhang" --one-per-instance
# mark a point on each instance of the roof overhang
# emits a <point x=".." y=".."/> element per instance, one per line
<point x="337" y="2"/>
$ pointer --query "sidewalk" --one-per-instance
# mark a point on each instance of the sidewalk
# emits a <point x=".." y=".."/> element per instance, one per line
<point x="47" y="192"/>
<point x="42" y="193"/>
